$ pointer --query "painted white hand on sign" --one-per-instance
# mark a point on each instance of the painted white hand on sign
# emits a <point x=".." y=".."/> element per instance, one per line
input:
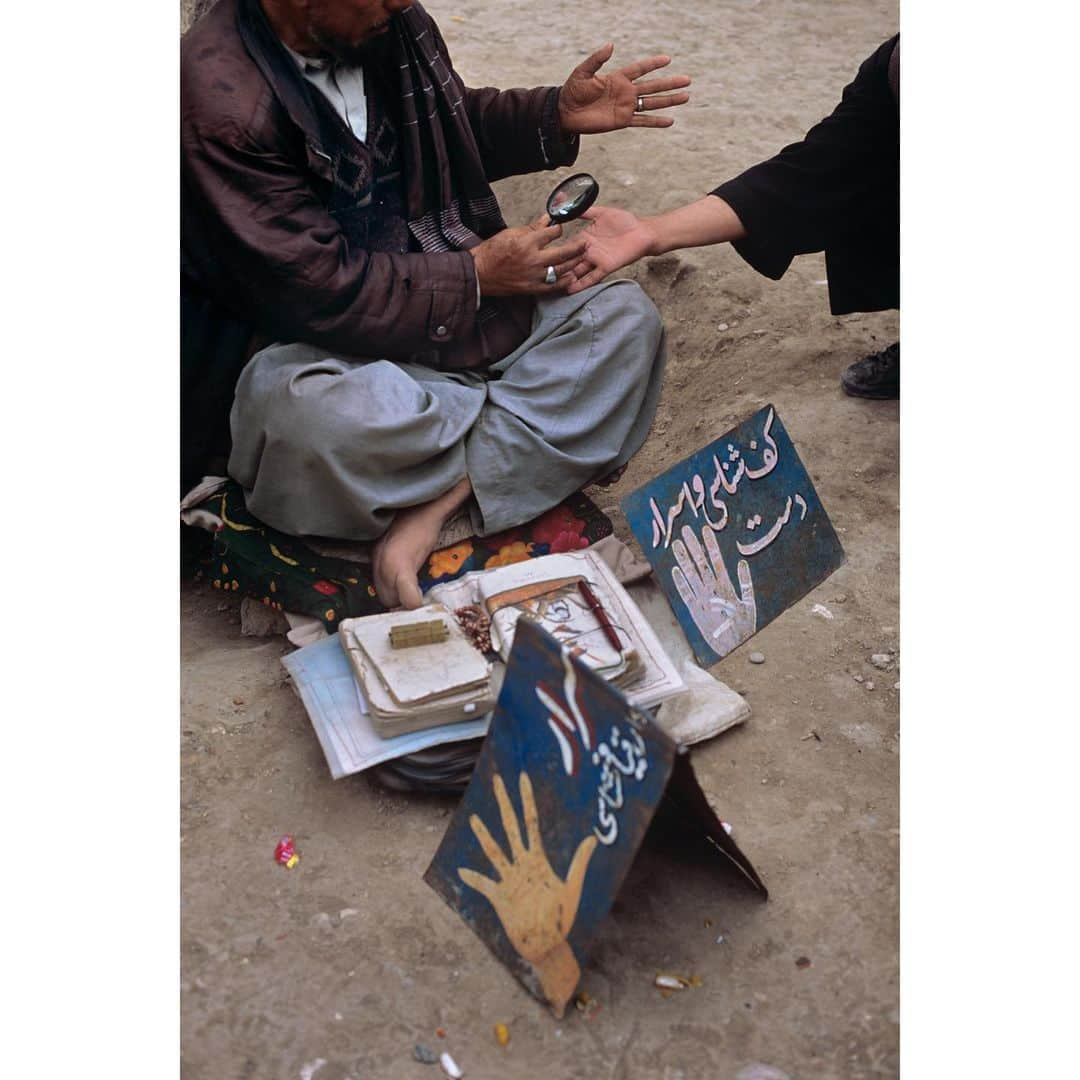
<point x="724" y="618"/>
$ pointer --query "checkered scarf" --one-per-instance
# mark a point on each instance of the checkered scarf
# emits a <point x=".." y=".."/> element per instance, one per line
<point x="451" y="206"/>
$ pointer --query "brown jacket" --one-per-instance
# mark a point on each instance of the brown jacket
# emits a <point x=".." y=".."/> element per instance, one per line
<point x="256" y="232"/>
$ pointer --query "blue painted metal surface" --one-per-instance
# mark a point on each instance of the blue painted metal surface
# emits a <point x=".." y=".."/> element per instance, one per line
<point x="597" y="768"/>
<point x="533" y="866"/>
<point x="735" y="534"/>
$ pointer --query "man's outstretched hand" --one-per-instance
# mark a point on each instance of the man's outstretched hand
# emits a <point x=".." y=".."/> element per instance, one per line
<point x="614" y="239"/>
<point x="590" y="102"/>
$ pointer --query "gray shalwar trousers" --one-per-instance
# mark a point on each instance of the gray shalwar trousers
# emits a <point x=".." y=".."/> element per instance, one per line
<point x="327" y="445"/>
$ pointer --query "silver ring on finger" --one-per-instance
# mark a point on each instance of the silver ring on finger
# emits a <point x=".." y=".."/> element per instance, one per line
<point x="550" y="277"/>
<point x="640" y="104"/>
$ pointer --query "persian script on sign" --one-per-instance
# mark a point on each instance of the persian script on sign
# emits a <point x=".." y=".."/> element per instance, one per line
<point x="570" y="778"/>
<point x="735" y="534"/>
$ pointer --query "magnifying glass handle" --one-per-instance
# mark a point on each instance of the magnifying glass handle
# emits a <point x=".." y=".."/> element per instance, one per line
<point x="551" y="221"/>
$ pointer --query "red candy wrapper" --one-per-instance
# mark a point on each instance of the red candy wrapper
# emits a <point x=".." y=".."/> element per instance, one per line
<point x="285" y="853"/>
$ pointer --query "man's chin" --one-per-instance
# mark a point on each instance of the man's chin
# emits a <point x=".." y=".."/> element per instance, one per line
<point x="368" y="49"/>
<point x="352" y="53"/>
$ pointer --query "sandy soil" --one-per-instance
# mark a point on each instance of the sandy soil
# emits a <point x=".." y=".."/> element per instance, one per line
<point x="270" y="985"/>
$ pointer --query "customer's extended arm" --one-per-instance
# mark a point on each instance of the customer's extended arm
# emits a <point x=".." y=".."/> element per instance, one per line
<point x="617" y="238"/>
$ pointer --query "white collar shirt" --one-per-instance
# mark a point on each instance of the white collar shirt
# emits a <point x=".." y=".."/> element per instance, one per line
<point x="342" y="86"/>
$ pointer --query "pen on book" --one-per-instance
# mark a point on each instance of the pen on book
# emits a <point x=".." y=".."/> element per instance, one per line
<point x="602" y="616"/>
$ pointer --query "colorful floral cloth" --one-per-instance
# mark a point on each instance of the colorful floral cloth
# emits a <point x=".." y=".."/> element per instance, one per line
<point x="282" y="571"/>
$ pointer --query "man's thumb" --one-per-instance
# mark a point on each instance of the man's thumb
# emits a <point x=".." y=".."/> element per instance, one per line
<point x="595" y="61"/>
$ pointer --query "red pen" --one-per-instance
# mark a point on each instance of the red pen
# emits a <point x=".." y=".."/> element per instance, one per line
<point x="602" y="616"/>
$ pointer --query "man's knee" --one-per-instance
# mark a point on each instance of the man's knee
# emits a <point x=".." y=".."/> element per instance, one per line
<point x="627" y="327"/>
<point x="625" y="310"/>
<point x="263" y="396"/>
<point x="292" y="392"/>
<point x="288" y="417"/>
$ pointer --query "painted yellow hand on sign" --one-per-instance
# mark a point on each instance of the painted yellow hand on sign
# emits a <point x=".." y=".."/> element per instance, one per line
<point x="536" y="907"/>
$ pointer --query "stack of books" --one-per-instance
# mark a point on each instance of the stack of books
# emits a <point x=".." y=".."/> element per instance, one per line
<point x="417" y="669"/>
<point x="411" y="692"/>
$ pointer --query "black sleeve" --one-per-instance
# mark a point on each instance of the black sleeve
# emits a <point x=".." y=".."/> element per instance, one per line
<point x="841" y="178"/>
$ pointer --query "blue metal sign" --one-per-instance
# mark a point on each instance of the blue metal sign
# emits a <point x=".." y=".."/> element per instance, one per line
<point x="735" y="534"/>
<point x="568" y="781"/>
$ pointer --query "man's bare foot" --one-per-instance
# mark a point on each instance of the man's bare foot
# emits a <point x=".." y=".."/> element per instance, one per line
<point x="400" y="552"/>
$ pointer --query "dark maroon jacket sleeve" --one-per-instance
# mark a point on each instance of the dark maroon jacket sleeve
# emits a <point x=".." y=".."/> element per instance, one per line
<point x="517" y="131"/>
<point x="285" y="258"/>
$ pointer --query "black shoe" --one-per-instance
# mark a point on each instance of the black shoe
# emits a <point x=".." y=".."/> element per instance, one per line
<point x="874" y="376"/>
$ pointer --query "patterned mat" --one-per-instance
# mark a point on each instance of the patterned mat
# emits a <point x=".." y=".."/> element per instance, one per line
<point x="287" y="574"/>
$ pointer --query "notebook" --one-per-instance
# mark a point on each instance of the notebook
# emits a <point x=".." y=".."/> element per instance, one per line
<point x="418" y="686"/>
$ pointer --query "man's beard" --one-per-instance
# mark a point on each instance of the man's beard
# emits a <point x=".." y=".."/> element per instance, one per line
<point x="370" y="51"/>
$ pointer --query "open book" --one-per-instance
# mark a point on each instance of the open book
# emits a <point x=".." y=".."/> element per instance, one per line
<point x="577" y="601"/>
<point x="600" y="624"/>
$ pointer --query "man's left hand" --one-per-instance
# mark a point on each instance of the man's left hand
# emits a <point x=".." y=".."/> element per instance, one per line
<point x="590" y="103"/>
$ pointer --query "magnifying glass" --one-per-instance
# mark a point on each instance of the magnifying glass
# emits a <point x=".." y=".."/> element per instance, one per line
<point x="571" y="198"/>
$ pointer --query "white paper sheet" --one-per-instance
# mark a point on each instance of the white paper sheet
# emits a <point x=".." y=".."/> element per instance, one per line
<point x="324" y="680"/>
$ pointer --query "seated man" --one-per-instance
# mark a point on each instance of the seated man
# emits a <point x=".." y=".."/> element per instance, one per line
<point x="336" y="200"/>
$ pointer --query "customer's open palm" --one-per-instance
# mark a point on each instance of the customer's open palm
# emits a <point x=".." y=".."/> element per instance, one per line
<point x="614" y="239"/>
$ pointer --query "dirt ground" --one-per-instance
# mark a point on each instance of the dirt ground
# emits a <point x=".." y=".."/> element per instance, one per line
<point x="279" y="979"/>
